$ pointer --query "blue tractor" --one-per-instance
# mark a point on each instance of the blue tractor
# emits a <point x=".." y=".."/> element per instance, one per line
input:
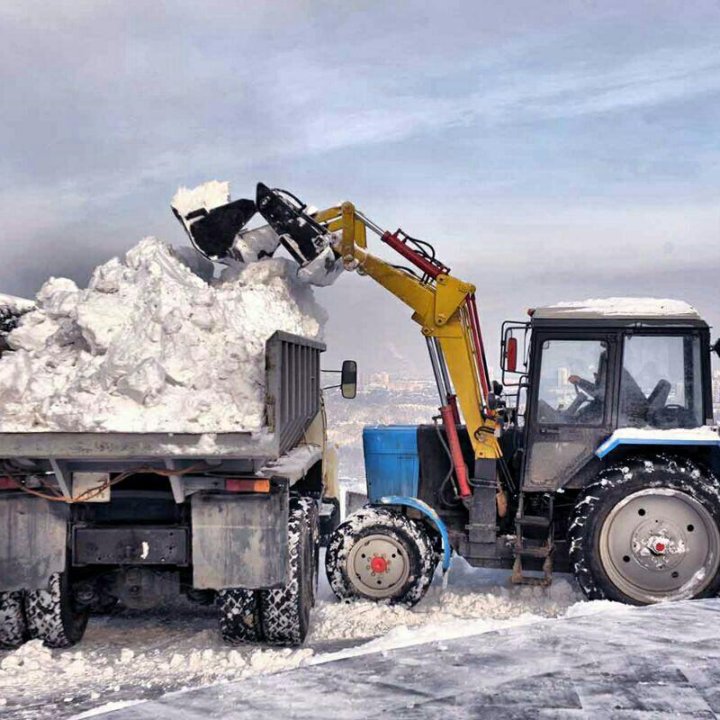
<point x="597" y="454"/>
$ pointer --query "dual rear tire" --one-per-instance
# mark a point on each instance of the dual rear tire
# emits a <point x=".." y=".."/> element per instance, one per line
<point x="49" y="614"/>
<point x="279" y="616"/>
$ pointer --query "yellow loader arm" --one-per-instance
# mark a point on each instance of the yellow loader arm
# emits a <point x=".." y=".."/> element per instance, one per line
<point x="442" y="305"/>
<point x="444" y="308"/>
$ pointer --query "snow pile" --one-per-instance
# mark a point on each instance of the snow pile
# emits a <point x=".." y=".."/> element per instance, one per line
<point x="207" y="196"/>
<point x="14" y="303"/>
<point x="150" y="346"/>
<point x="442" y="610"/>
<point x="128" y="658"/>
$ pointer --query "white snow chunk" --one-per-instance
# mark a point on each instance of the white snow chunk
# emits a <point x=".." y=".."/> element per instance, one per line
<point x="209" y="195"/>
<point x="294" y="464"/>
<point x="18" y="304"/>
<point x="253" y="244"/>
<point x="150" y="346"/>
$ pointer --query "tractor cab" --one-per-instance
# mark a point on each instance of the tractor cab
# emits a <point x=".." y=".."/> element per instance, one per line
<point x="592" y="368"/>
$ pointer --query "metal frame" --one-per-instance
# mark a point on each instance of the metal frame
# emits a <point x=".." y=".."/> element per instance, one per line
<point x="505" y="333"/>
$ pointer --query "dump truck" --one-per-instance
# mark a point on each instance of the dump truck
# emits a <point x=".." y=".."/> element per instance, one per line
<point x="89" y="520"/>
<point x="596" y="454"/>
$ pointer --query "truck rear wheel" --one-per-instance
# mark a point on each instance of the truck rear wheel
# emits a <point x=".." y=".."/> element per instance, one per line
<point x="648" y="531"/>
<point x="239" y="616"/>
<point x="285" y="611"/>
<point x="12" y="620"/>
<point x="379" y="554"/>
<point x="52" y="614"/>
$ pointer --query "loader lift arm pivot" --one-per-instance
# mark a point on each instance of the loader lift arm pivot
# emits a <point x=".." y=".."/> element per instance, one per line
<point x="442" y="305"/>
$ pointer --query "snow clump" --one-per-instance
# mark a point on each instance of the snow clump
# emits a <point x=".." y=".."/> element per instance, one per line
<point x="150" y="346"/>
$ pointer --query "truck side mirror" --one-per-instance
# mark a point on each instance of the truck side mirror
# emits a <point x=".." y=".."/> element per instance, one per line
<point x="511" y="350"/>
<point x="716" y="347"/>
<point x="348" y="379"/>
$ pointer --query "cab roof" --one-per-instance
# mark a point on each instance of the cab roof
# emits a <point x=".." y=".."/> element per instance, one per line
<point x="618" y="309"/>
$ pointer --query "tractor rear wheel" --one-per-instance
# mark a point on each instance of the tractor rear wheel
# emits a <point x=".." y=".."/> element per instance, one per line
<point x="647" y="531"/>
<point x="12" y="620"/>
<point x="379" y="554"/>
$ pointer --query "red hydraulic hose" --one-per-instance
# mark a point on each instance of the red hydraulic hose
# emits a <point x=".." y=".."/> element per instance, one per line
<point x="422" y="263"/>
<point x="479" y="347"/>
<point x="452" y="402"/>
<point x="455" y="452"/>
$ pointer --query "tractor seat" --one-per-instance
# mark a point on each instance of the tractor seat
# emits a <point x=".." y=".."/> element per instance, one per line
<point x="658" y="397"/>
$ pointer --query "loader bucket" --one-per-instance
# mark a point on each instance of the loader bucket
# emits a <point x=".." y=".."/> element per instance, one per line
<point x="213" y="232"/>
<point x="303" y="237"/>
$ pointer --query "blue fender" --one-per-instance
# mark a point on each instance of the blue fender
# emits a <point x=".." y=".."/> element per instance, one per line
<point x="426" y="510"/>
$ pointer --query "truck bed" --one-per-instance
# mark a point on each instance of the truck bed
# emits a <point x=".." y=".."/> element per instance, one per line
<point x="292" y="387"/>
<point x="139" y="446"/>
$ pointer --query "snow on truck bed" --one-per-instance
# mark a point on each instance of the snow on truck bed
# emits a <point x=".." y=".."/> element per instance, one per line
<point x="150" y="346"/>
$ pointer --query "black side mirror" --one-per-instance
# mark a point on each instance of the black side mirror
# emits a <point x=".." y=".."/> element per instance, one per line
<point x="716" y="347"/>
<point x="348" y="379"/>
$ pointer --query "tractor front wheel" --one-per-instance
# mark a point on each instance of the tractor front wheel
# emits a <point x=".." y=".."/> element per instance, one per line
<point x="379" y="554"/>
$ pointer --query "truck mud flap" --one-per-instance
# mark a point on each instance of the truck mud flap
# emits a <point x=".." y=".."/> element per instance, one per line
<point x="239" y="541"/>
<point x="33" y="541"/>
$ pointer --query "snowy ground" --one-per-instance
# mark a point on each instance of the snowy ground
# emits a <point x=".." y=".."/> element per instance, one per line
<point x="612" y="662"/>
<point x="134" y="656"/>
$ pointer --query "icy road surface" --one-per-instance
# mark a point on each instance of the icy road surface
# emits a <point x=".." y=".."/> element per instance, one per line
<point x="135" y="655"/>
<point x="619" y="663"/>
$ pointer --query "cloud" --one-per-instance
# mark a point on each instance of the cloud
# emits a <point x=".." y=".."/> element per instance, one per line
<point x="546" y="146"/>
<point x="518" y="94"/>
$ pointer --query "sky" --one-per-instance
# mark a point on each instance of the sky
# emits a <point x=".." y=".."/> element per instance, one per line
<point x="549" y="151"/>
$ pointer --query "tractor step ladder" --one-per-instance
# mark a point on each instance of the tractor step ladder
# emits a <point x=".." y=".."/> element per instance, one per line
<point x="537" y="548"/>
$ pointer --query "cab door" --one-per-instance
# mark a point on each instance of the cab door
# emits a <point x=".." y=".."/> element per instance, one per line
<point x="571" y="408"/>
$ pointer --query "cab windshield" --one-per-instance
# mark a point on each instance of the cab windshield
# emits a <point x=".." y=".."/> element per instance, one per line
<point x="661" y="384"/>
<point x="573" y="382"/>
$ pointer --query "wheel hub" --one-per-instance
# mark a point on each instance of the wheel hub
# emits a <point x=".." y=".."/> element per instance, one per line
<point x="660" y="544"/>
<point x="378" y="566"/>
<point x="659" y="548"/>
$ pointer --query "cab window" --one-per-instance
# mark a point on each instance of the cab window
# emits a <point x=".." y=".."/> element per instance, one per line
<point x="573" y="382"/>
<point x="661" y="384"/>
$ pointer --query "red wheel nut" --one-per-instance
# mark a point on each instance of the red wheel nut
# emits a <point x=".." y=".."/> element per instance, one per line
<point x="378" y="564"/>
